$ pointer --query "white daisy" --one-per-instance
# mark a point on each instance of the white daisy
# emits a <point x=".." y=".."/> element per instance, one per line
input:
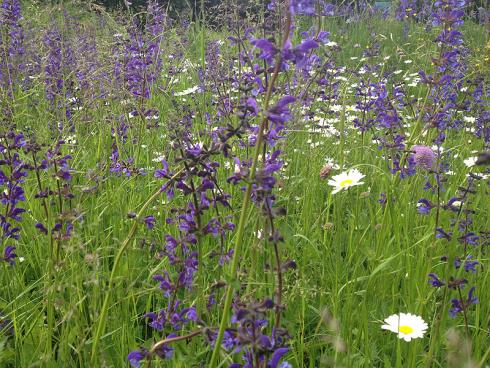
<point x="187" y="91"/>
<point x="470" y="161"/>
<point x="406" y="325"/>
<point x="158" y="157"/>
<point x="346" y="180"/>
<point x="331" y="162"/>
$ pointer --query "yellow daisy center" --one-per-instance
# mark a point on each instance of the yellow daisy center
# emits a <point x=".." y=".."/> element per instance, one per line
<point x="405" y="330"/>
<point x="345" y="182"/>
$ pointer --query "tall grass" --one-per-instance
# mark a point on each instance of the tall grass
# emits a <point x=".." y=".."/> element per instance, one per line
<point x="357" y="261"/>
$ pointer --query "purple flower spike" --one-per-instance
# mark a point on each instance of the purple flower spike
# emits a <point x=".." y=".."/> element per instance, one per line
<point x="276" y="357"/>
<point x="280" y="112"/>
<point x="13" y="170"/>
<point x="305" y="7"/>
<point x="424" y="206"/>
<point x="459" y="306"/>
<point x="9" y="255"/>
<point x="150" y="222"/>
<point x="135" y="358"/>
<point x="435" y="281"/>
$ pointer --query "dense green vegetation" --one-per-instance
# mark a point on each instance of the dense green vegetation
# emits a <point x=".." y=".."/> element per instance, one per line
<point x="361" y="254"/>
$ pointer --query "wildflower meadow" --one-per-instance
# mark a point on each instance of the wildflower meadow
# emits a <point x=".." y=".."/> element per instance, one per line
<point x="244" y="183"/>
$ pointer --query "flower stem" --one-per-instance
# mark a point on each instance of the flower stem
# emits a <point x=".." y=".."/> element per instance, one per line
<point x="246" y="200"/>
<point x="467" y="329"/>
<point x="176" y="338"/>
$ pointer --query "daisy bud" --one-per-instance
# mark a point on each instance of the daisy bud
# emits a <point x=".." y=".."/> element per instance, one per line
<point x="325" y="171"/>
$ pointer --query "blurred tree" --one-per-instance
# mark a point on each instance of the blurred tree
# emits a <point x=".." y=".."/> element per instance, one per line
<point x="176" y="5"/>
<point x="195" y="6"/>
